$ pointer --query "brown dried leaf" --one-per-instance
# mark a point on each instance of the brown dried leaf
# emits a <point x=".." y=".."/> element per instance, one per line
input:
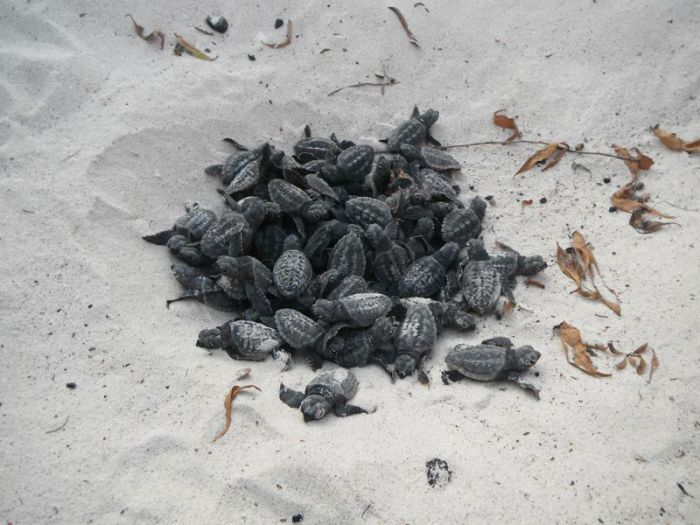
<point x="527" y="202"/>
<point x="614" y="350"/>
<point x="584" y="251"/>
<point x="287" y="39"/>
<point x="654" y="364"/>
<point x="641" y="349"/>
<point x="692" y="147"/>
<point x="639" y="222"/>
<point x="227" y="404"/>
<point x="411" y="37"/>
<point x="184" y="45"/>
<point x="534" y="282"/>
<point x="643" y="163"/>
<point x="539" y="156"/>
<point x="642" y="366"/>
<point x="622" y="364"/>
<point x="153" y="35"/>
<point x="568" y="266"/>
<point x="556" y="156"/>
<point x="502" y="121"/>
<point x="571" y="337"/>
<point x="670" y="140"/>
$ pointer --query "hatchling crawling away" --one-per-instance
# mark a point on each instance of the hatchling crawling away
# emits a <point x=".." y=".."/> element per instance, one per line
<point x="327" y="391"/>
<point x="494" y="359"/>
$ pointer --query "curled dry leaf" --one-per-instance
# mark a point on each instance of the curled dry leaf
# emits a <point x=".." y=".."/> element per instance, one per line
<point x="505" y="122"/>
<point x="635" y="160"/>
<point x="567" y="264"/>
<point x="674" y="142"/>
<point x="227" y="404"/>
<point x="534" y="282"/>
<point x="642" y="366"/>
<point x="287" y="39"/>
<point x="184" y="45"/>
<point x="654" y="364"/>
<point x="622" y="364"/>
<point x="639" y="222"/>
<point x="556" y="156"/>
<point x="614" y="350"/>
<point x="402" y="20"/>
<point x="153" y="35"/>
<point x="540" y="156"/>
<point x="571" y="338"/>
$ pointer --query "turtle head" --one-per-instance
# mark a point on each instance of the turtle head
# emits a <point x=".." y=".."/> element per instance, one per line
<point x="405" y="365"/>
<point x="447" y="254"/>
<point x="523" y="358"/>
<point x="210" y="338"/>
<point x="429" y="118"/>
<point x="185" y="274"/>
<point x="476" y="250"/>
<point x="254" y="213"/>
<point x="229" y="266"/>
<point x="324" y="309"/>
<point x="314" y="407"/>
<point x="478" y="206"/>
<point x="531" y="265"/>
<point x="376" y="237"/>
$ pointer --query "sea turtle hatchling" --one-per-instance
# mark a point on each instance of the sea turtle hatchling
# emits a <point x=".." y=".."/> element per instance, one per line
<point x="327" y="391"/>
<point x="494" y="359"/>
<point x="192" y="225"/>
<point x="432" y="158"/>
<point x="246" y="340"/>
<point x="361" y="309"/>
<point x="415" y="339"/>
<point x="414" y="131"/>
<point x="427" y="275"/>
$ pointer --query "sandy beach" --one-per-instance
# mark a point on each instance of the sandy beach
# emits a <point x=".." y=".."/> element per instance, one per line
<point x="104" y="137"/>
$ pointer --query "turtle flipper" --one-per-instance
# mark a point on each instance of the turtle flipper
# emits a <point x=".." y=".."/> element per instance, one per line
<point x="432" y="140"/>
<point x="160" y="238"/>
<point x="515" y="378"/>
<point x="501" y="341"/>
<point x="451" y="376"/>
<point x="261" y="304"/>
<point x="289" y="397"/>
<point x="214" y="170"/>
<point x="186" y="296"/>
<point x="379" y="361"/>
<point x="345" y="410"/>
<point x="235" y="144"/>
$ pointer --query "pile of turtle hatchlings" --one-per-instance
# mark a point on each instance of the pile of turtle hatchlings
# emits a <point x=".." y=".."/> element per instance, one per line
<point x="350" y="255"/>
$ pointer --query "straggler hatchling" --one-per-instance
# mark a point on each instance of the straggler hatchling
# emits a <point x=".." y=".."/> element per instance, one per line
<point x="246" y="340"/>
<point x="327" y="391"/>
<point x="192" y="225"/>
<point x="415" y="131"/>
<point x="494" y="359"/>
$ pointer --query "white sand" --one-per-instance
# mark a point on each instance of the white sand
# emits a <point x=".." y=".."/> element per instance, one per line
<point x="103" y="136"/>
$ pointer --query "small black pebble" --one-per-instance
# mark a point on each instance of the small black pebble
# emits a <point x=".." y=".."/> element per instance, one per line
<point x="279" y="23"/>
<point x="297" y="518"/>
<point x="251" y="58"/>
<point x="71" y="385"/>
<point x="543" y="200"/>
<point x="612" y="209"/>
<point x="217" y="23"/>
<point x="606" y="180"/>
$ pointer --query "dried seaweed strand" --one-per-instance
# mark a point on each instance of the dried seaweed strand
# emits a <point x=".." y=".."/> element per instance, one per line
<point x="411" y="37"/>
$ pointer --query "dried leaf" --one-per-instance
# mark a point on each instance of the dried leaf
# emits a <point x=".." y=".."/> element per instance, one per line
<point x="571" y="337"/>
<point x="641" y="349"/>
<point x="639" y="222"/>
<point x="153" y="35"/>
<point x="539" y="156"/>
<point x="670" y="140"/>
<point x="227" y="404"/>
<point x="534" y="282"/>
<point x="527" y="202"/>
<point x="654" y="365"/>
<point x="614" y="350"/>
<point x="643" y="162"/>
<point x="692" y="147"/>
<point x="622" y="364"/>
<point x="556" y="156"/>
<point x="584" y="251"/>
<point x="642" y="366"/>
<point x="568" y="266"/>
<point x="411" y="37"/>
<point x="502" y="121"/>
<point x="287" y="39"/>
<point x="184" y="45"/>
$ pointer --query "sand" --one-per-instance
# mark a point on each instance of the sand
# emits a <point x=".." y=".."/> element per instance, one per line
<point x="103" y="137"/>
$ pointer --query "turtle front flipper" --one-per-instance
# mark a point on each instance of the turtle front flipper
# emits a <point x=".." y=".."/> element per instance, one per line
<point x="515" y="378"/>
<point x="451" y="376"/>
<point x="501" y="341"/>
<point x="214" y="170"/>
<point x="160" y="238"/>
<point x="289" y="397"/>
<point x="258" y="300"/>
<point x="186" y="296"/>
<point x="432" y="140"/>
<point x="345" y="410"/>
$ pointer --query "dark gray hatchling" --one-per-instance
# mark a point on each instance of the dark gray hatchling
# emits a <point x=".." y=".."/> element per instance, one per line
<point x="494" y="359"/>
<point x="233" y="164"/>
<point x="390" y="259"/>
<point x="327" y="391"/>
<point x="432" y="158"/>
<point x="250" y="175"/>
<point x="349" y="347"/>
<point x="292" y="272"/>
<point x="192" y="225"/>
<point x="437" y="186"/>
<point x="298" y="330"/>
<point x="350" y="285"/>
<point x="367" y="210"/>
<point x="446" y="314"/>
<point x="348" y="255"/>
<point x="246" y="340"/>
<point x="355" y="163"/>
<point x="233" y="232"/>
<point x="361" y="309"/>
<point x="202" y="288"/>
<point x="316" y="148"/>
<point x="484" y="279"/>
<point x="426" y="276"/>
<point x="415" y="339"/>
<point x="462" y="224"/>
<point x="414" y="131"/>
<point x="295" y="201"/>
<point x="250" y="275"/>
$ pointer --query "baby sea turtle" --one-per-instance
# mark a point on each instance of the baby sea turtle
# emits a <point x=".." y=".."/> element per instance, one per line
<point x="361" y="309"/>
<point x="192" y="225"/>
<point x="252" y="276"/>
<point x="493" y="359"/>
<point x="245" y="340"/>
<point x="293" y="200"/>
<point x="425" y="276"/>
<point x="233" y="232"/>
<point x="249" y="176"/>
<point x="432" y="158"/>
<point x="460" y="225"/>
<point x="350" y="285"/>
<point x="390" y="259"/>
<point x="348" y="256"/>
<point x="355" y="162"/>
<point x="415" y="339"/>
<point x="202" y="288"/>
<point x="296" y="329"/>
<point x="367" y="210"/>
<point x="414" y="131"/>
<point x="349" y="347"/>
<point x="327" y="391"/>
<point x="292" y="272"/>
<point x="314" y="148"/>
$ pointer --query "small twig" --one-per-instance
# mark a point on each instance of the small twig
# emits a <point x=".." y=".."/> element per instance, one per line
<point x="695" y="210"/>
<point x="365" y="511"/>
<point x="683" y="489"/>
<point x="390" y="82"/>
<point x="204" y="31"/>
<point x="72" y="155"/>
<point x="59" y="428"/>
<point x="402" y="20"/>
<point x="502" y="143"/>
